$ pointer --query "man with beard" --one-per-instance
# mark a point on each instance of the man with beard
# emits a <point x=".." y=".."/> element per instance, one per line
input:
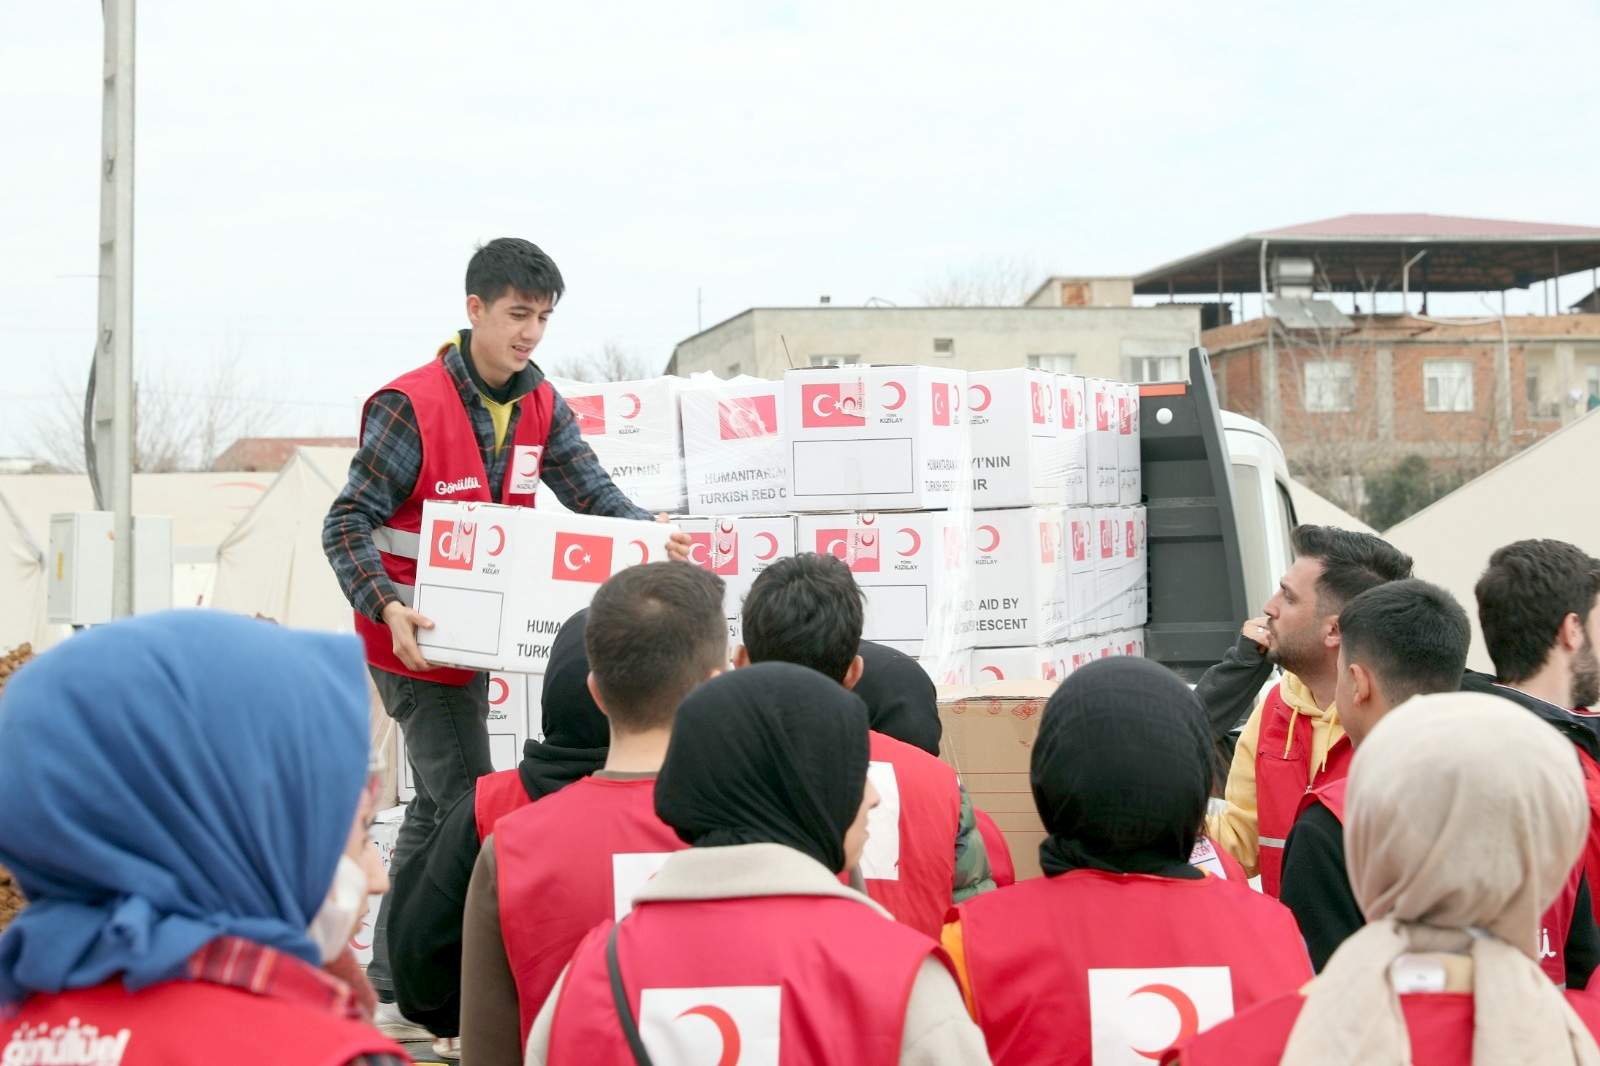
<point x="1536" y="606"/>
<point x="1279" y="757"/>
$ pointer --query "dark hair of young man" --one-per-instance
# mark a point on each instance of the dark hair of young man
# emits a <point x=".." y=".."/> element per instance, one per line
<point x="1524" y="596"/>
<point x="1413" y="636"/>
<point x="654" y="633"/>
<point x="1352" y="562"/>
<point x="805" y="610"/>
<point x="511" y="264"/>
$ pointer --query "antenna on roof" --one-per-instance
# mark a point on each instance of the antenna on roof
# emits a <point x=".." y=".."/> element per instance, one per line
<point x="786" y="354"/>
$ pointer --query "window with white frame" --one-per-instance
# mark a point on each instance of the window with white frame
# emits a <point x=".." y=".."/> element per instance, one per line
<point x="1447" y="385"/>
<point x="1142" y="368"/>
<point x="1330" y="385"/>
<point x="1056" y="364"/>
<point x="835" y="360"/>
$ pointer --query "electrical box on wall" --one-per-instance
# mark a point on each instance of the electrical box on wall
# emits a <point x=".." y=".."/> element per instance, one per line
<point x="80" y="566"/>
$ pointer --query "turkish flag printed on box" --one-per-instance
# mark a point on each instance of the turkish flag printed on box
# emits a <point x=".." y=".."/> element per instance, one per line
<point x="590" y="411"/>
<point x="741" y="417"/>
<point x="856" y="548"/>
<point x="834" y="405"/>
<point x="452" y="543"/>
<point x="941" y="403"/>
<point x="716" y="551"/>
<point x="581" y="557"/>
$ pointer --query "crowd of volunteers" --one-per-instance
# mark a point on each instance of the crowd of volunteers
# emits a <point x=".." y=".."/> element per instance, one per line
<point x="754" y="855"/>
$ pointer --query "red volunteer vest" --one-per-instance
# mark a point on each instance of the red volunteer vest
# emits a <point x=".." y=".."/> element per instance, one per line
<point x="1591" y="847"/>
<point x="1001" y="867"/>
<point x="1058" y="966"/>
<point x="915" y="880"/>
<point x="179" y="1023"/>
<point x="1215" y="860"/>
<point x="825" y="980"/>
<point x="452" y="469"/>
<point x="1555" y="924"/>
<point x="1283" y="779"/>
<point x="495" y="796"/>
<point x="562" y="862"/>
<point x="1440" y="1025"/>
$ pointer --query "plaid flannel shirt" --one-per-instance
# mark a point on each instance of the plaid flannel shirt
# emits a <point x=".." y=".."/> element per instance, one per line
<point x="385" y="467"/>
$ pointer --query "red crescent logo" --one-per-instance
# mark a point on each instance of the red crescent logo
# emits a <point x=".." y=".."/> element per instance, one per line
<point x="704" y="547"/>
<point x="500" y="545"/>
<point x="998" y="676"/>
<point x="900" y="396"/>
<point x="916" y="542"/>
<point x="725" y="1028"/>
<point x="355" y="942"/>
<point x="994" y="539"/>
<point x="1188" y="1016"/>
<point x="644" y="550"/>
<point x="984" y="406"/>
<point x="868" y="539"/>
<point x="534" y="455"/>
<point x="772" y="545"/>
<point x="505" y="690"/>
<point x="636" y="405"/>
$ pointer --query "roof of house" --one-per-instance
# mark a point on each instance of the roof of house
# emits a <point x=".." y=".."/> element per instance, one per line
<point x="270" y="453"/>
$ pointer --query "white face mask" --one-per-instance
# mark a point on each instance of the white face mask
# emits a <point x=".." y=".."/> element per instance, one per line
<point x="335" y="920"/>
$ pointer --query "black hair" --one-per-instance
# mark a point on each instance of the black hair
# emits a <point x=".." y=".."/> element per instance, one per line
<point x="1523" y="597"/>
<point x="1352" y="562"/>
<point x="1413" y="636"/>
<point x="654" y="632"/>
<point x="807" y="610"/>
<point x="511" y="264"/>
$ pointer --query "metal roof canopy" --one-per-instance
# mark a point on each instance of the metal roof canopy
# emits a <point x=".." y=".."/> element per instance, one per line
<point x="1363" y="252"/>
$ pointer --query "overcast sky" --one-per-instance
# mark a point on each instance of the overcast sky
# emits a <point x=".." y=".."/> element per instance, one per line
<point x="311" y="177"/>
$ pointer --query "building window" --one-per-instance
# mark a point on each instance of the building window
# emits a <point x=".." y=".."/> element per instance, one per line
<point x="835" y="360"/>
<point x="944" y="346"/>
<point x="1142" y="368"/>
<point x="1592" y="378"/>
<point x="1056" y="364"/>
<point x="1447" y="385"/>
<point x="1330" y="385"/>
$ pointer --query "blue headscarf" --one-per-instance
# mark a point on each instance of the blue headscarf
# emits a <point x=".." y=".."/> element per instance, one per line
<point x="169" y="779"/>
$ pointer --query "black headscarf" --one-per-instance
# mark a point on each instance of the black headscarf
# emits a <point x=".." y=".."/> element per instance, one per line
<point x="1121" y="770"/>
<point x="771" y="754"/>
<point x="576" y="733"/>
<point x="901" y="700"/>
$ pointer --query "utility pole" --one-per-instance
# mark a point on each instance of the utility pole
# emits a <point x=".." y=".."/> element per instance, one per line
<point x="113" y="400"/>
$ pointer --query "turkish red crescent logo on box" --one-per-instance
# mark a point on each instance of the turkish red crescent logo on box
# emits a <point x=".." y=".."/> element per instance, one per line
<point x="1102" y="410"/>
<point x="635" y="405"/>
<point x="941" y="404"/>
<point x="590" y="411"/>
<point x="1108" y="538"/>
<point x="718" y="553"/>
<point x="856" y="548"/>
<point x="1048" y="531"/>
<point x="1080" y="542"/>
<point x="1041" y="402"/>
<point x="1130" y="549"/>
<point x="832" y="406"/>
<point x="993" y="537"/>
<point x="581" y="557"/>
<point x="1125" y="415"/>
<point x="1069" y="409"/>
<point x="451" y="544"/>
<point x="747" y="416"/>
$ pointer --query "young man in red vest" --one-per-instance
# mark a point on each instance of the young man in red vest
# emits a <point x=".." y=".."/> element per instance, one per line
<point x="1399" y="640"/>
<point x="478" y="422"/>
<point x="1293" y="740"/>
<point x="551" y="871"/>
<point x="1537" y="606"/>
<point x="924" y="851"/>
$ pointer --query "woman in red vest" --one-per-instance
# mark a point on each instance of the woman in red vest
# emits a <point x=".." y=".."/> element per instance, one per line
<point x="1123" y="949"/>
<point x="1455" y="851"/>
<point x="184" y="808"/>
<point x="745" y="947"/>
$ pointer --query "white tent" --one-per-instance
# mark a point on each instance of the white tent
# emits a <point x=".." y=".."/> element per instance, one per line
<point x="272" y="562"/>
<point x="203" y="508"/>
<point x="1316" y="510"/>
<point x="1545" y="491"/>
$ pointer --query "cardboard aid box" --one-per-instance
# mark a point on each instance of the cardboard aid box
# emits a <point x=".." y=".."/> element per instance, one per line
<point x="384" y="830"/>
<point x="1082" y="537"/>
<point x="989" y="731"/>
<point x="1072" y="398"/>
<point x="1014" y="664"/>
<point x="1019" y="577"/>
<point x="498" y="582"/>
<point x="1136" y="567"/>
<point x="876" y="438"/>
<point x="515" y="715"/>
<point x="1104" y="459"/>
<point x="634" y="429"/>
<point x="951" y="668"/>
<point x="1111" y="598"/>
<point x="1016" y="439"/>
<point x="1130" y="476"/>
<point x="734" y="454"/>
<point x="738" y="550"/>
<point x="909" y="566"/>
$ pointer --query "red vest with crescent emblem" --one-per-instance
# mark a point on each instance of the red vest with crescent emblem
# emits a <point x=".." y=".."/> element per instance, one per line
<point x="495" y="796"/>
<point x="1282" y="780"/>
<point x="562" y="862"/>
<point x="1001" y="868"/>
<point x="1555" y="924"/>
<point x="824" y="979"/>
<point x="452" y="469"/>
<point x="1060" y="967"/>
<point x="923" y="865"/>
<point x="1591" y="847"/>
<point x="182" y="1023"/>
<point x="1215" y="860"/>
<point x="1439" y="1024"/>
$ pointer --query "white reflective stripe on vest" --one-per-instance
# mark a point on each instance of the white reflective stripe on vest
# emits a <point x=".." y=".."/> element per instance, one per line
<point x="392" y="541"/>
<point x="405" y="593"/>
<point x="1272" y="842"/>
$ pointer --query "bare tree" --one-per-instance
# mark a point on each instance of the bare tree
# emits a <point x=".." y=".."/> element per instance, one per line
<point x="993" y="283"/>
<point x="612" y="362"/>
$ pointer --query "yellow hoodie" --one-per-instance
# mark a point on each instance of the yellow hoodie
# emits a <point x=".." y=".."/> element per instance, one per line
<point x="1235" y="828"/>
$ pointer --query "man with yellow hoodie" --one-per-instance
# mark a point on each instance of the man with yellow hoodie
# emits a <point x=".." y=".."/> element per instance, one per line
<point x="1292" y="740"/>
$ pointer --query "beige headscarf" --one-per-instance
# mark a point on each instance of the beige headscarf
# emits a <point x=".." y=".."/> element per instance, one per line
<point x="1464" y="818"/>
